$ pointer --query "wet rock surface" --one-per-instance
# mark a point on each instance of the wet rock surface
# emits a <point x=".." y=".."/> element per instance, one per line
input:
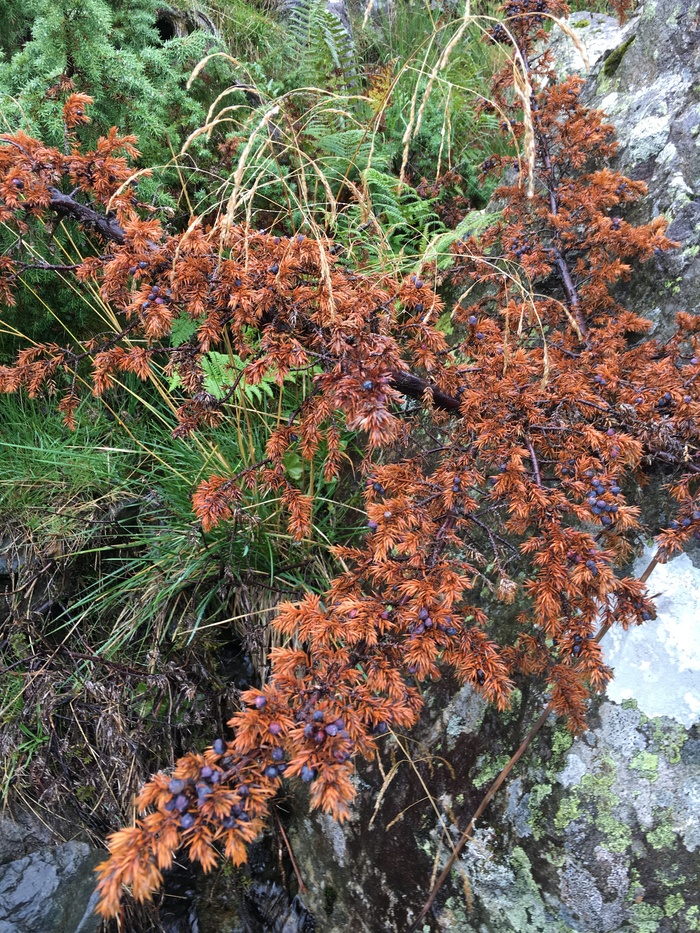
<point x="45" y="888"/>
<point x="254" y="898"/>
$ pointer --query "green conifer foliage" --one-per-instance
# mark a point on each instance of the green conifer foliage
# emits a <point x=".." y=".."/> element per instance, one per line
<point x="113" y="51"/>
<point x="110" y="49"/>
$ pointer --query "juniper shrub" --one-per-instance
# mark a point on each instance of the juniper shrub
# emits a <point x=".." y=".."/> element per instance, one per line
<point x="509" y="458"/>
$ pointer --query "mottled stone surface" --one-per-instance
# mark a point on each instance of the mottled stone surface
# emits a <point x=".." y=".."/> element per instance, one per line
<point x="597" y="33"/>
<point x="598" y="834"/>
<point x="45" y="886"/>
<point x="647" y="82"/>
<point x="20" y="836"/>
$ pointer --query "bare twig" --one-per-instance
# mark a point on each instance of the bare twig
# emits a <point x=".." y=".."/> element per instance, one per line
<point x="65" y="204"/>
<point x="290" y="853"/>
<point x="535" y="464"/>
<point x="466" y="835"/>
<point x="414" y="387"/>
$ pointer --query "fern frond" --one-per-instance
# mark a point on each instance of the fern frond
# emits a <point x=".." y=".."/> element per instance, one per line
<point x="323" y="40"/>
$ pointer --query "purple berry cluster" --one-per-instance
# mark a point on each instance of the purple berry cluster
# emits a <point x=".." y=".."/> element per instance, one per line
<point x="600" y="506"/>
<point x="322" y="731"/>
<point x="189" y="795"/>
<point x="425" y="623"/>
<point x="157" y="296"/>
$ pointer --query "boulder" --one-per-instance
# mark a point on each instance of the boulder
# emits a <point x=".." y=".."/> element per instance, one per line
<point x="645" y="77"/>
<point x="594" y="834"/>
<point x="596" y="33"/>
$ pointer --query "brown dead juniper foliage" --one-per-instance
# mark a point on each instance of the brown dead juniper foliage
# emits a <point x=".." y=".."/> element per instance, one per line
<point x="507" y="460"/>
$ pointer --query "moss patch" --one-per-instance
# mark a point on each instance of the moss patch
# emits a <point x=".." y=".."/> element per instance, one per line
<point x="489" y="770"/>
<point x="612" y="62"/>
<point x="672" y="904"/>
<point x="538" y="795"/>
<point x="617" y="836"/>
<point x="663" y="837"/>
<point x="668" y="739"/>
<point x="647" y="764"/>
<point x="569" y="810"/>
<point x="562" y="740"/>
<point x="644" y="918"/>
<point x="593" y="799"/>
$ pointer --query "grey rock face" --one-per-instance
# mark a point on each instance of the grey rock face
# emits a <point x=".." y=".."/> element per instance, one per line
<point x="597" y="33"/>
<point x="595" y="837"/>
<point x="50" y="890"/>
<point x="646" y="81"/>
<point x="20" y="836"/>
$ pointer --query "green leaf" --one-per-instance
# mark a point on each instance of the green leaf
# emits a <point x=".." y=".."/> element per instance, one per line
<point x="293" y="464"/>
<point x="444" y="323"/>
<point x="217" y="373"/>
<point x="183" y="328"/>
